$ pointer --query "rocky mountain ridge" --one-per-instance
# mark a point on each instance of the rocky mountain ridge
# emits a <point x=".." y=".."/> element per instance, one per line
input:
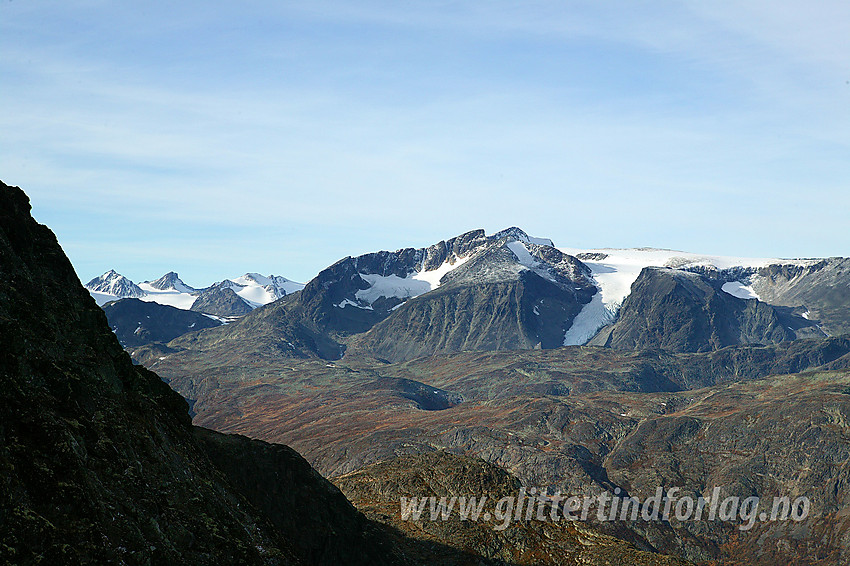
<point x="511" y="291"/>
<point x="227" y="298"/>
<point x="685" y="311"/>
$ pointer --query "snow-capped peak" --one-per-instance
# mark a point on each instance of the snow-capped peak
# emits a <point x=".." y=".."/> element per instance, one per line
<point x="171" y="282"/>
<point x="253" y="288"/>
<point x="115" y="285"/>
<point x="518" y="234"/>
<point x="259" y="289"/>
<point x="426" y="275"/>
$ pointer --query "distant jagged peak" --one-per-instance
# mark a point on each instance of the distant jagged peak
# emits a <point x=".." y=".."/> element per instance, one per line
<point x="518" y="234"/>
<point x="257" y="278"/>
<point x="113" y="283"/>
<point x="276" y="286"/>
<point x="107" y="277"/>
<point x="383" y="280"/>
<point x="257" y="289"/>
<point x="171" y="282"/>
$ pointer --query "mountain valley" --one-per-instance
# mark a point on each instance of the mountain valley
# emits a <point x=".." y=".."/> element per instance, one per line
<point x="482" y="364"/>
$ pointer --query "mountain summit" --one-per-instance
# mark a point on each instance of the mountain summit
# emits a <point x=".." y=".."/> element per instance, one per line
<point x="171" y="282"/>
<point x="114" y="284"/>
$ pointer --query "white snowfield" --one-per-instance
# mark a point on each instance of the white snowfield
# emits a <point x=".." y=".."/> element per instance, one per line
<point x="255" y="289"/>
<point x="615" y="274"/>
<point x="402" y="288"/>
<point x="171" y="297"/>
<point x="738" y="289"/>
<point x="527" y="261"/>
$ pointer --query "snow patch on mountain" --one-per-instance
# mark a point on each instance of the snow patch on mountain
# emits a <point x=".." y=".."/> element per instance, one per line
<point x="391" y="286"/>
<point x="740" y="289"/>
<point x="614" y="271"/>
<point x="345" y="302"/>
<point x="523" y="255"/>
<point x="221" y="319"/>
<point x="171" y="297"/>
<point x="403" y="288"/>
<point x="259" y="289"/>
<point x="434" y="276"/>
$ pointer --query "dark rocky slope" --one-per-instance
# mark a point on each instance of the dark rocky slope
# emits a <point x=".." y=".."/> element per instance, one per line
<point x="681" y="311"/>
<point x="99" y="461"/>
<point x="221" y="300"/>
<point x="823" y="289"/>
<point x="137" y="322"/>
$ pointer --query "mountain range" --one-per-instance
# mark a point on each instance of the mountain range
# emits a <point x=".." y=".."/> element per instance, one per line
<point x="478" y="365"/>
<point x="100" y="464"/>
<point x="565" y="367"/>
<point x="227" y="298"/>
<point x="510" y="291"/>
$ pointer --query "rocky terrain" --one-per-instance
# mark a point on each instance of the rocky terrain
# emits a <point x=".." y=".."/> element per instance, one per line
<point x="221" y="300"/>
<point x="564" y="418"/>
<point x="377" y="489"/>
<point x="101" y="464"/>
<point x="509" y="291"/>
<point x="432" y="371"/>
<point x="823" y="287"/>
<point x="136" y="322"/>
<point x="682" y="311"/>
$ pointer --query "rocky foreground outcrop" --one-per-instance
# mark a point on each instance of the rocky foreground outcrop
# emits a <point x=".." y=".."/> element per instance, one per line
<point x="99" y="462"/>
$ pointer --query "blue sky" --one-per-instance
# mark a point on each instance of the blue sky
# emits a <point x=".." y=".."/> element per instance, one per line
<point x="216" y="138"/>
